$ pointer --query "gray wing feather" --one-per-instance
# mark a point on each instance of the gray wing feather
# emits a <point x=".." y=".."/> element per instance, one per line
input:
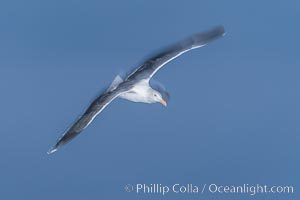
<point x="150" y="67"/>
<point x="93" y="110"/>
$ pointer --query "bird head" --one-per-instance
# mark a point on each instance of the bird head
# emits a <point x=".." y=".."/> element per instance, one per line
<point x="157" y="97"/>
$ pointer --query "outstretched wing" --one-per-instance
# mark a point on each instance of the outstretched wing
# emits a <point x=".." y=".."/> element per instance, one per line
<point x="150" y="67"/>
<point x="84" y="121"/>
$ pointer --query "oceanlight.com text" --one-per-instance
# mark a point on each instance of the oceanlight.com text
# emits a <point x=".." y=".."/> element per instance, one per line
<point x="194" y="189"/>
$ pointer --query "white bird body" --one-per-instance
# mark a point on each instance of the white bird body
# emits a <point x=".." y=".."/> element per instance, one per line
<point x="139" y="92"/>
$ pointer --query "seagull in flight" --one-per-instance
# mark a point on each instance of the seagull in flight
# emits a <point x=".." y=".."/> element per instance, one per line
<point x="135" y="87"/>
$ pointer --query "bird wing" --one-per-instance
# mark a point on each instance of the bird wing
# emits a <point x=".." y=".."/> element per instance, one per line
<point x="151" y="66"/>
<point x="96" y="107"/>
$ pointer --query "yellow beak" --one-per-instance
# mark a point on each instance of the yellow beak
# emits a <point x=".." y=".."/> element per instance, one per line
<point x="163" y="102"/>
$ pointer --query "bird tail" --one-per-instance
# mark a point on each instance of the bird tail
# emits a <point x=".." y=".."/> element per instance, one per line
<point x="116" y="82"/>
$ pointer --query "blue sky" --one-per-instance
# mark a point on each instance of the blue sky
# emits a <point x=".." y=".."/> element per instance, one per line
<point x="232" y="117"/>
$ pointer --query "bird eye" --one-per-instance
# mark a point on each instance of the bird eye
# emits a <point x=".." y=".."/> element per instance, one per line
<point x="155" y="95"/>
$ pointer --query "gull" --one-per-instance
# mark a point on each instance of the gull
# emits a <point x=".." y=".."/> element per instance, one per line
<point x="135" y="87"/>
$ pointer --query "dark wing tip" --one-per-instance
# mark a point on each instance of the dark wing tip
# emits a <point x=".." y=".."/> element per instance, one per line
<point x="55" y="147"/>
<point x="52" y="150"/>
<point x="216" y="31"/>
<point x="67" y="137"/>
<point x="220" y="29"/>
<point x="208" y="36"/>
